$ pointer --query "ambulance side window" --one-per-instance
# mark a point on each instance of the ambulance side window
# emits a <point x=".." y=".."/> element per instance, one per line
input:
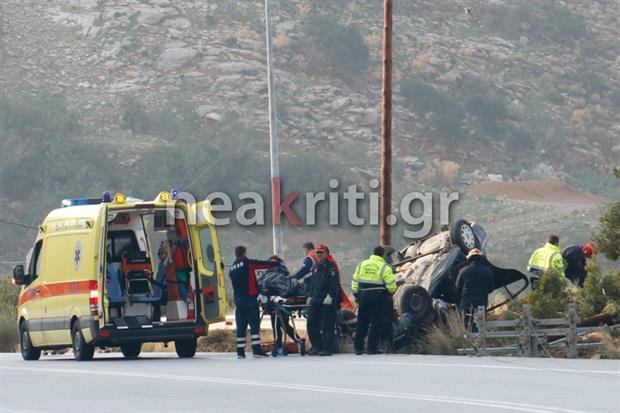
<point x="34" y="268"/>
<point x="206" y="243"/>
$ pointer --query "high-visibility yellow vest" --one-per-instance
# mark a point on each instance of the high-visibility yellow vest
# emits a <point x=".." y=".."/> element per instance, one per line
<point x="547" y="258"/>
<point x="373" y="273"/>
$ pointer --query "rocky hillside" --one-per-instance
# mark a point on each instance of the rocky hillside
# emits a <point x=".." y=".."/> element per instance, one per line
<point x="174" y="91"/>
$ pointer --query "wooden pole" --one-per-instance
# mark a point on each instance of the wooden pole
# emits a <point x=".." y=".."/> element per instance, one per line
<point x="386" y="127"/>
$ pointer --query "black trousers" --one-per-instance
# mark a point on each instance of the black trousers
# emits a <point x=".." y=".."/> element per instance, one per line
<point x="321" y="324"/>
<point x="283" y="326"/>
<point x="371" y="315"/>
<point x="247" y="313"/>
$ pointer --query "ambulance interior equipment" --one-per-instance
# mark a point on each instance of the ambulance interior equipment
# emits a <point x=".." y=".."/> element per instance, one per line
<point x="149" y="278"/>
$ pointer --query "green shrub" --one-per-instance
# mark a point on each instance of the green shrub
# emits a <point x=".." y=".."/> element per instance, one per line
<point x="176" y="118"/>
<point x="600" y="291"/>
<point x="341" y="47"/>
<point x="550" y="298"/>
<point x="8" y="315"/>
<point x="592" y="83"/>
<point x="614" y="96"/>
<point x="448" y="113"/>
<point x="542" y="19"/>
<point x="41" y="116"/>
<point x="608" y="239"/>
<point x="489" y="111"/>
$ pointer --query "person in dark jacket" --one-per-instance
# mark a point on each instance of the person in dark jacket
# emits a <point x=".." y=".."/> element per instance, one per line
<point x="243" y="277"/>
<point x="304" y="273"/>
<point x="575" y="258"/>
<point x="322" y="302"/>
<point x="280" y="320"/>
<point x="474" y="284"/>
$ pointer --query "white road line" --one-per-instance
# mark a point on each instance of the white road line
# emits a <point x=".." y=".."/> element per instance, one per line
<point x="486" y="366"/>
<point x="520" y="407"/>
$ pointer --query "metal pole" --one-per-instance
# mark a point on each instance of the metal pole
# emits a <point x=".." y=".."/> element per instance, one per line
<point x="273" y="140"/>
<point x="386" y="126"/>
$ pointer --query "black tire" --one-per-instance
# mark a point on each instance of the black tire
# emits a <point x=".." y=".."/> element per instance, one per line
<point x="25" y="345"/>
<point x="416" y="301"/>
<point x="131" y="350"/>
<point x="462" y="235"/>
<point x="185" y="348"/>
<point x="82" y="351"/>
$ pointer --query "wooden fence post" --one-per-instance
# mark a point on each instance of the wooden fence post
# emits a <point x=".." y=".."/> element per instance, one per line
<point x="571" y="338"/>
<point x="481" y="325"/>
<point x="532" y="343"/>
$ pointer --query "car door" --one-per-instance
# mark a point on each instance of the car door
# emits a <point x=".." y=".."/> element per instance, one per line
<point x="208" y="264"/>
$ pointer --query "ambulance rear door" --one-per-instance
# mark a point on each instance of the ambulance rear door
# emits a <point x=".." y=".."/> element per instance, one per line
<point x="211" y="292"/>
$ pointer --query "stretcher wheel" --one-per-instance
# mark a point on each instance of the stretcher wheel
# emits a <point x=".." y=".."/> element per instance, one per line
<point x="302" y="347"/>
<point x="274" y="350"/>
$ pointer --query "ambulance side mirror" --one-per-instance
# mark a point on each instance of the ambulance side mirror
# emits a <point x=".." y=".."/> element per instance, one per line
<point x="19" y="277"/>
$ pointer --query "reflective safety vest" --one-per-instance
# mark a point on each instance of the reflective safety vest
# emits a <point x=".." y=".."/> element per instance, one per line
<point x="373" y="273"/>
<point x="547" y="258"/>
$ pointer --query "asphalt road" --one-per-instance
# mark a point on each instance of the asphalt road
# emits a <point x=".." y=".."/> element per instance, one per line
<point x="159" y="382"/>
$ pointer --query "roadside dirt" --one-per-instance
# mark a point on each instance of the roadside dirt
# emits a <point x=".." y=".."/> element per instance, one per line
<point x="550" y="191"/>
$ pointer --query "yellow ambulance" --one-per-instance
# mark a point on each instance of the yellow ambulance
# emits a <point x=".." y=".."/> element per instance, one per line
<point x="120" y="271"/>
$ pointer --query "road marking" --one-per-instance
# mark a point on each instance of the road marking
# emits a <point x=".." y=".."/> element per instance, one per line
<point x="486" y="366"/>
<point x="520" y="407"/>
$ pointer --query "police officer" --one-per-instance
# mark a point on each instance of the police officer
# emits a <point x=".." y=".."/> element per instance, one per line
<point x="546" y="258"/>
<point x="474" y="284"/>
<point x="324" y="296"/>
<point x="373" y="281"/>
<point x="243" y="277"/>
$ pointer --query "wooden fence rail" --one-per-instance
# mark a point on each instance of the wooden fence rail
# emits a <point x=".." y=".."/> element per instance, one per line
<point x="530" y="334"/>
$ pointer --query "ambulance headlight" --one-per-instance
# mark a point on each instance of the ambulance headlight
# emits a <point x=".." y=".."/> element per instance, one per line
<point x="120" y="198"/>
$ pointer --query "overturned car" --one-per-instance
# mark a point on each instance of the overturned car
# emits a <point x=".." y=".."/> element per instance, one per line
<point x="426" y="274"/>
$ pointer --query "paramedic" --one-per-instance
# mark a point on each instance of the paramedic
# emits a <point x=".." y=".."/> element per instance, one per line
<point x="243" y="277"/>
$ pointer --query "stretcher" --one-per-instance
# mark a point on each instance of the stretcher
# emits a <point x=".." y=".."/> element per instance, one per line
<point x="283" y="313"/>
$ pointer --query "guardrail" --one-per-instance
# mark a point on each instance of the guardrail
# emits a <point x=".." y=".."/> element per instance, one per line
<point x="530" y="334"/>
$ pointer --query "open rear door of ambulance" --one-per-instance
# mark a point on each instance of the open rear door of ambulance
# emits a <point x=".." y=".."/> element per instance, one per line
<point x="101" y="236"/>
<point x="211" y="292"/>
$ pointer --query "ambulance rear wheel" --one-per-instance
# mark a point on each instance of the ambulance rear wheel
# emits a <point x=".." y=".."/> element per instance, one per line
<point x="25" y="345"/>
<point x="82" y="351"/>
<point x="131" y="350"/>
<point x="185" y="348"/>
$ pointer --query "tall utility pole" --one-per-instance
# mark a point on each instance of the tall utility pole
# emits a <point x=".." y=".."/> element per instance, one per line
<point x="386" y="127"/>
<point x="273" y="140"/>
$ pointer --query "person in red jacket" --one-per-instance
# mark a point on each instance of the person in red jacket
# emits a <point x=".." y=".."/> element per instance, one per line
<point x="243" y="277"/>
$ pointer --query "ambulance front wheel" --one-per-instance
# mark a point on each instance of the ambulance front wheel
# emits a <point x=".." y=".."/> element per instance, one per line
<point x="131" y="350"/>
<point x="185" y="348"/>
<point x="25" y="345"/>
<point x="82" y="351"/>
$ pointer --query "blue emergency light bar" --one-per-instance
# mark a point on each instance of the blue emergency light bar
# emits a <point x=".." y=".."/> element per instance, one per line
<point x="80" y="201"/>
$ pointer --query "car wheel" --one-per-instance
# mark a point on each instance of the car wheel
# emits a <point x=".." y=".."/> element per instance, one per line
<point x="463" y="236"/>
<point x="82" y="351"/>
<point x="131" y="350"/>
<point x="416" y="301"/>
<point x="25" y="345"/>
<point x="186" y="348"/>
